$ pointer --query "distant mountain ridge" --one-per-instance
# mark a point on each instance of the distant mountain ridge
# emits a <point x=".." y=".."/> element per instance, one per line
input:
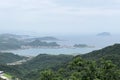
<point x="104" y="34"/>
<point x="38" y="43"/>
<point x="27" y="37"/>
<point x="7" y="35"/>
<point x="48" y="38"/>
<point x="13" y="42"/>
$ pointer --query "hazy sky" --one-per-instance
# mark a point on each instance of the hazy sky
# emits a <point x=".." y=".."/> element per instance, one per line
<point x="60" y="16"/>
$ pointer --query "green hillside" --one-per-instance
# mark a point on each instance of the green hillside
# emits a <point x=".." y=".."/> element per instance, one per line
<point x="45" y="61"/>
<point x="97" y="65"/>
<point x="38" y="63"/>
<point x="38" y="43"/>
<point x="109" y="53"/>
<point x="9" y="58"/>
<point x="80" y="69"/>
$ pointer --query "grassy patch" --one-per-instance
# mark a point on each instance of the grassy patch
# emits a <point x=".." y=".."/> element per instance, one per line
<point x="8" y="76"/>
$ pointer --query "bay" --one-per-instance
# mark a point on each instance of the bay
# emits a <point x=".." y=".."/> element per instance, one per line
<point x="91" y="40"/>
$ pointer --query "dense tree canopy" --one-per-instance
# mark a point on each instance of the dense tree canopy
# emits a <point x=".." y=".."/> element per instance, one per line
<point x="80" y="69"/>
<point x="9" y="57"/>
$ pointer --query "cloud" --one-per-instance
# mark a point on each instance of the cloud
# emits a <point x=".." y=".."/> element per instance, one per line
<point x="53" y="7"/>
<point x="60" y="15"/>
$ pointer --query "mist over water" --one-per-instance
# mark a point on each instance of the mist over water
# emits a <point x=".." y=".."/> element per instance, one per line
<point x="93" y="40"/>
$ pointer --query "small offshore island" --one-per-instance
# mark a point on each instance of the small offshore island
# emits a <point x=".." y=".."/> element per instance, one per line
<point x="83" y="46"/>
<point x="104" y="34"/>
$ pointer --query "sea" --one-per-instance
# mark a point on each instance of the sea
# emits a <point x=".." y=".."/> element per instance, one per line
<point x="98" y="42"/>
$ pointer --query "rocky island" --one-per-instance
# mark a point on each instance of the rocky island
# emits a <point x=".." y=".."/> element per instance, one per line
<point x="104" y="34"/>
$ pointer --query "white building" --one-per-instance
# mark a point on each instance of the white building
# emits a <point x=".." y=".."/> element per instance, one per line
<point x="1" y="73"/>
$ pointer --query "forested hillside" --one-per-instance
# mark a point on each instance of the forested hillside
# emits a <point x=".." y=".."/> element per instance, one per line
<point x="97" y="65"/>
<point x="109" y="53"/>
<point x="45" y="61"/>
<point x="38" y="63"/>
<point x="38" y="43"/>
<point x="80" y="69"/>
<point x="9" y="57"/>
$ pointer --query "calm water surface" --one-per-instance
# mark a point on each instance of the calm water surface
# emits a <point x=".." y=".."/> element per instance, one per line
<point x="34" y="52"/>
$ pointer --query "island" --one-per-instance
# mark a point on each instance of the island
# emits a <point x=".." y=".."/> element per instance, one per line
<point x="41" y="44"/>
<point x="82" y="46"/>
<point x="14" y="42"/>
<point x="104" y="34"/>
<point x="48" y="38"/>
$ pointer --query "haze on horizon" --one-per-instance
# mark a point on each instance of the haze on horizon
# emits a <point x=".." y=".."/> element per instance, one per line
<point x="59" y="16"/>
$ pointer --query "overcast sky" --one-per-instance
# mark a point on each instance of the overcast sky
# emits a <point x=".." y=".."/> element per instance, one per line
<point x="60" y="16"/>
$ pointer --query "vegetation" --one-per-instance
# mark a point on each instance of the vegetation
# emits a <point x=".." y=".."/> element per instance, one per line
<point x="11" y="70"/>
<point x="45" y="61"/>
<point x="109" y="53"/>
<point x="12" y="42"/>
<point x="8" y="76"/>
<point x="38" y="43"/>
<point x="38" y="63"/>
<point x="97" y="65"/>
<point x="79" y="69"/>
<point x="9" y="57"/>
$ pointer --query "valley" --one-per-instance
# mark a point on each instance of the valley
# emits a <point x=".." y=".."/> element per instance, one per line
<point x="39" y="66"/>
<point x="59" y="39"/>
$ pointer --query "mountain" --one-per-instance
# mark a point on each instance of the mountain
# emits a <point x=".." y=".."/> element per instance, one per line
<point x="80" y="46"/>
<point x="97" y="65"/>
<point x="18" y="37"/>
<point x="109" y="53"/>
<point x="103" y="64"/>
<point x="38" y="43"/>
<point x="38" y="63"/>
<point x="44" y="61"/>
<point x="80" y="69"/>
<point x="9" y="58"/>
<point x="104" y="34"/>
<point x="13" y="42"/>
<point x="27" y="37"/>
<point x="49" y="38"/>
<point x="9" y="36"/>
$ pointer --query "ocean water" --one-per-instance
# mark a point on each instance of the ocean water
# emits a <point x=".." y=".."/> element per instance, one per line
<point x="93" y="40"/>
<point x="97" y="41"/>
<point x="67" y="51"/>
